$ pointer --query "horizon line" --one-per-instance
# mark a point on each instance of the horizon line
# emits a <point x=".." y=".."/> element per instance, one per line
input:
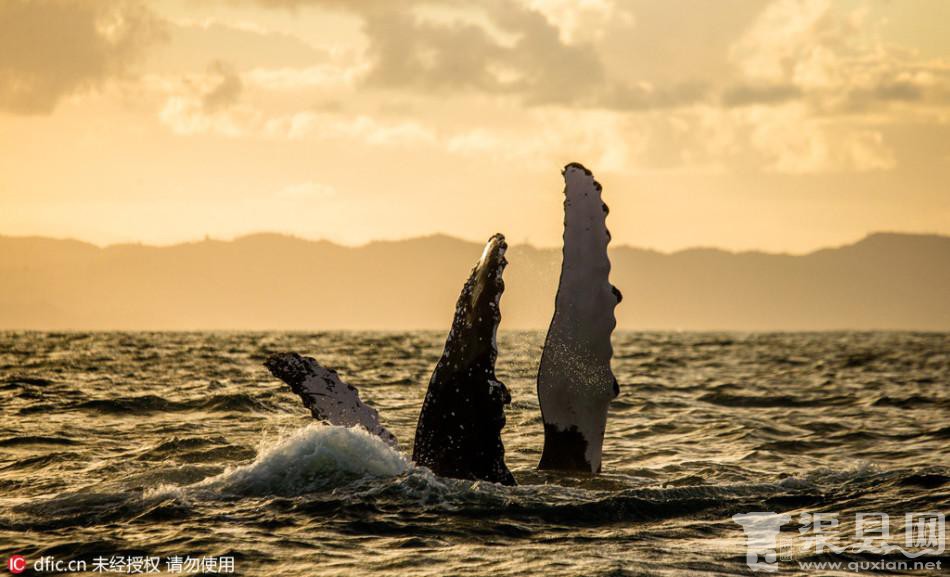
<point x="292" y="236"/>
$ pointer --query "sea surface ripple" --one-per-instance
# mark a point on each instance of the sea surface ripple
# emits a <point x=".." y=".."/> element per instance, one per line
<point x="174" y="444"/>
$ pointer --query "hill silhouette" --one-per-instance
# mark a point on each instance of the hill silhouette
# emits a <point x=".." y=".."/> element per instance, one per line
<point x="268" y="281"/>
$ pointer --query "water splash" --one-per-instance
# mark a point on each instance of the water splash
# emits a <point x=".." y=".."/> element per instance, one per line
<point x="312" y="459"/>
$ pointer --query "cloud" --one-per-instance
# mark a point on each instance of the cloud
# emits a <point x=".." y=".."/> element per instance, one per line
<point x="785" y="138"/>
<point x="207" y="103"/>
<point x="757" y="94"/>
<point x="362" y="128"/>
<point x="647" y="96"/>
<point x="193" y="43"/>
<point x="795" y="145"/>
<point x="508" y="49"/>
<point x="790" y="38"/>
<point x="791" y="86"/>
<point x="580" y="20"/>
<point x="51" y="49"/>
<point x="542" y="138"/>
<point x="833" y="60"/>
<point x="494" y="46"/>
<point x="226" y="89"/>
<point x="556" y="53"/>
<point x="327" y="75"/>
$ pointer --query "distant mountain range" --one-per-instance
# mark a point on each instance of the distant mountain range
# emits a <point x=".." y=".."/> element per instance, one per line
<point x="267" y="281"/>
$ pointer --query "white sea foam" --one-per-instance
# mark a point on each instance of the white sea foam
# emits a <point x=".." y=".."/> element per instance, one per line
<point x="312" y="458"/>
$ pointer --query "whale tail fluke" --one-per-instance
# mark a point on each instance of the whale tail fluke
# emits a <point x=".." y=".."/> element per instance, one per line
<point x="323" y="392"/>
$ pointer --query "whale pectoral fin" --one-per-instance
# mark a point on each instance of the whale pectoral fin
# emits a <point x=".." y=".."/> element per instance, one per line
<point x="575" y="382"/>
<point x="329" y="399"/>
<point x="459" y="429"/>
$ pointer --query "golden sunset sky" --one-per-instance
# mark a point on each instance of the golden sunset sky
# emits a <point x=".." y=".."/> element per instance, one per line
<point x="781" y="125"/>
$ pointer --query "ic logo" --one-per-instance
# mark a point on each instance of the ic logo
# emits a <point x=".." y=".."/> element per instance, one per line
<point x="16" y="564"/>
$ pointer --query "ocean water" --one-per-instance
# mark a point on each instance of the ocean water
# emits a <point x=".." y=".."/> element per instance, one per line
<point x="182" y="444"/>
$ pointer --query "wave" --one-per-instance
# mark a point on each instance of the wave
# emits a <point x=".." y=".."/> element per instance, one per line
<point x="312" y="459"/>
<point x="347" y="470"/>
<point x="25" y="381"/>
<point x="33" y="440"/>
<point x="239" y="402"/>
<point x="310" y="462"/>
<point x="197" y="450"/>
<point x="55" y="459"/>
<point x="910" y="402"/>
<point x="348" y="474"/>
<point x="779" y="401"/>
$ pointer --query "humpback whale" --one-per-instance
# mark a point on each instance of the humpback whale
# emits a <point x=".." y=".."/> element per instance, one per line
<point x="459" y="429"/>
<point x="575" y="382"/>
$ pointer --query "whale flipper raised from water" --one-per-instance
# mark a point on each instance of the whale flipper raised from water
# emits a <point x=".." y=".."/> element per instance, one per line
<point x="328" y="398"/>
<point x="575" y="382"/>
<point x="459" y="429"/>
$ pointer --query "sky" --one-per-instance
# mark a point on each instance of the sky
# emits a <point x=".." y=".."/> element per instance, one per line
<point x="776" y="125"/>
